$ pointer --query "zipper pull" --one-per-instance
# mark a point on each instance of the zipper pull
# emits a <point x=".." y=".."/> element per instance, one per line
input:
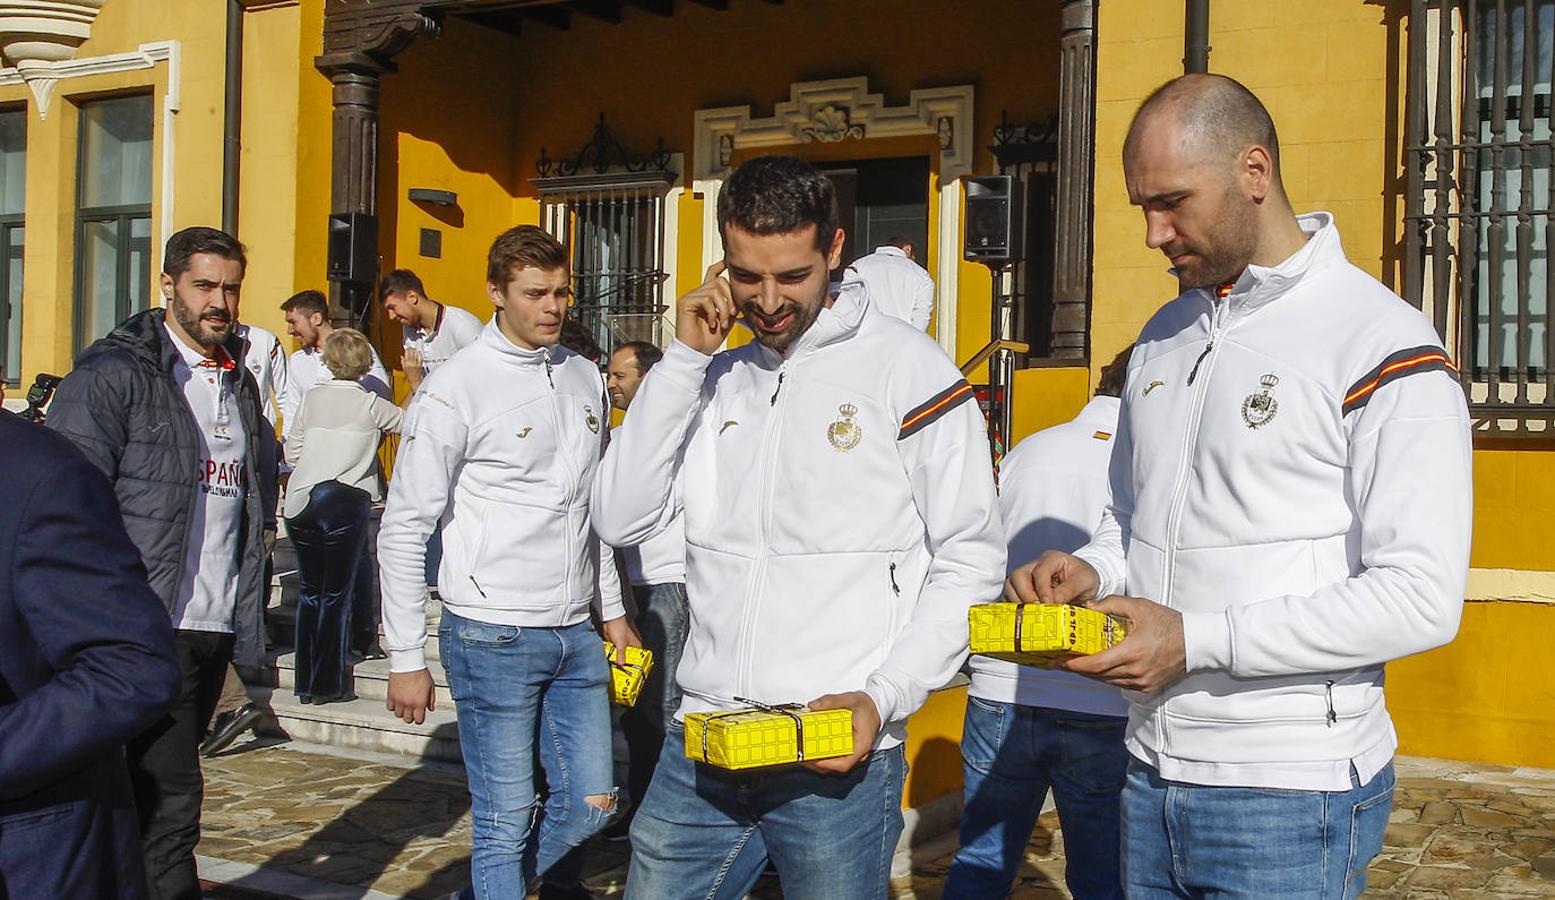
<point x="478" y="587"/>
<point x="1195" y="373"/>
<point x="775" y="392"/>
<point x="894" y="589"/>
<point x="1332" y="716"/>
<point x="548" y="377"/>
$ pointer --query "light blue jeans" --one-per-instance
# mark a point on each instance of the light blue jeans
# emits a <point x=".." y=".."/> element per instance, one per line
<point x="1011" y="755"/>
<point x="703" y="832"/>
<point x="523" y="694"/>
<point x="1185" y="840"/>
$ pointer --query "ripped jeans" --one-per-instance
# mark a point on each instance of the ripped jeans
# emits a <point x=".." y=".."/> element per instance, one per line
<point x="523" y="694"/>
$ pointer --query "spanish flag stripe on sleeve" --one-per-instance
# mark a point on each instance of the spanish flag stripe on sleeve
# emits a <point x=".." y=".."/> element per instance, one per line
<point x="928" y="412"/>
<point x="1398" y="365"/>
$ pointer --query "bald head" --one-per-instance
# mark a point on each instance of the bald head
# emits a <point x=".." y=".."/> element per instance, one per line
<point x="1216" y="118"/>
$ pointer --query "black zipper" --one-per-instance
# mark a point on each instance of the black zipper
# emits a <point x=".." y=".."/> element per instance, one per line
<point x="1195" y="373"/>
<point x="894" y="589"/>
<point x="1332" y="716"/>
<point x="773" y="402"/>
<point x="478" y="587"/>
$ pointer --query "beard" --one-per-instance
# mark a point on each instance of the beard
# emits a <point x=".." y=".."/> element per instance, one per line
<point x="1225" y="252"/>
<point x="800" y="318"/>
<point x="209" y="328"/>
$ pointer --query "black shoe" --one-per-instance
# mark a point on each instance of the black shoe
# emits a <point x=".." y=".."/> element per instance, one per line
<point x="227" y="726"/>
<point x="550" y="891"/>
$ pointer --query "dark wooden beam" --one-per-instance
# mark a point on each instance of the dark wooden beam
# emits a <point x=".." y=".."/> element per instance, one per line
<point x="604" y="10"/>
<point x="554" y="16"/>
<point x="721" y="5"/>
<point x="657" y="7"/>
<point x="507" y="21"/>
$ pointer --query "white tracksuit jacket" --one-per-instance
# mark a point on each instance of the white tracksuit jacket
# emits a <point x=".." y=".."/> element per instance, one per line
<point x="839" y="510"/>
<point x="499" y="447"/>
<point x="1304" y="499"/>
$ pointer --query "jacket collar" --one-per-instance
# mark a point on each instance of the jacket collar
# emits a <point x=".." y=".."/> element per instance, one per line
<point x="890" y="250"/>
<point x="1259" y="286"/>
<point x="1101" y="410"/>
<point x="493" y="338"/>
<point x="835" y="324"/>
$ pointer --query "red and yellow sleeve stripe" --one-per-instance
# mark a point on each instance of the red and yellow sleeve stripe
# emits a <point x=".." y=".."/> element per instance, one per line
<point x="1397" y="365"/>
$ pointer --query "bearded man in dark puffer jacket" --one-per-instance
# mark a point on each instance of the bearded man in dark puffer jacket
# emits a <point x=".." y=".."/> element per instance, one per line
<point x="165" y="408"/>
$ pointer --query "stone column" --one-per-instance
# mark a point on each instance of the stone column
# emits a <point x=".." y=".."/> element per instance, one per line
<point x="1076" y="163"/>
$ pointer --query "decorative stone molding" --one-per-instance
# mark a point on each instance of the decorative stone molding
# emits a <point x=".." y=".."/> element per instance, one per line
<point x="838" y="110"/>
<point x="44" y="77"/>
<point x="45" y="31"/>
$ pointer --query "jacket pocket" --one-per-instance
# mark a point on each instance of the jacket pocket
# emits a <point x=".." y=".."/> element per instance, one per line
<point x="522" y="558"/>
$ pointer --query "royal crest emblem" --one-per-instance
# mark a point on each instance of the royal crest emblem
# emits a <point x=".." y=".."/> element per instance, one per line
<point x="1258" y="409"/>
<point x="591" y="420"/>
<point x="844" y="434"/>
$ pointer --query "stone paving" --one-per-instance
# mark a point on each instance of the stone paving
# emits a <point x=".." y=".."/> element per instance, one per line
<point x="1459" y="830"/>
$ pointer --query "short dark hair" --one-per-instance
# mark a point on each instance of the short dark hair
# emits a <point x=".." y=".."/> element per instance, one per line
<point x="308" y="303"/>
<point x="645" y="353"/>
<point x="778" y="195"/>
<point x="400" y="281"/>
<point x="577" y="339"/>
<point x="1114" y="374"/>
<point x="519" y="248"/>
<point x="183" y="245"/>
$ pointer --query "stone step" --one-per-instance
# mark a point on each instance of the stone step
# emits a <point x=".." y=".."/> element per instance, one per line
<point x="371" y="677"/>
<point x="363" y="724"/>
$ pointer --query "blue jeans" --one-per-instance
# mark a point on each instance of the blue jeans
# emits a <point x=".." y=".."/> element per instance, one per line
<point x="662" y="621"/>
<point x="1184" y="840"/>
<point x="1011" y="755"/>
<point x="702" y="832"/>
<point x="522" y="694"/>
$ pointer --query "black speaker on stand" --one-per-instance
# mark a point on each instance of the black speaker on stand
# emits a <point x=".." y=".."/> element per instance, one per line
<point x="352" y="263"/>
<point x="994" y="238"/>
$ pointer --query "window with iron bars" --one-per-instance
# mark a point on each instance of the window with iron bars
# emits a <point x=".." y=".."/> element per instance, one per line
<point x="613" y="229"/>
<point x="1480" y="215"/>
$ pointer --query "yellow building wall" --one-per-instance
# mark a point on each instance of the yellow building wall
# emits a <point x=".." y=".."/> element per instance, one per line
<point x="1323" y="70"/>
<point x="49" y="262"/>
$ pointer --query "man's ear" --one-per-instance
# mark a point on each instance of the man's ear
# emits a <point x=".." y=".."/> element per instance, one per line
<point x="495" y="293"/>
<point x="834" y="255"/>
<point x="1258" y="167"/>
<point x="167" y="288"/>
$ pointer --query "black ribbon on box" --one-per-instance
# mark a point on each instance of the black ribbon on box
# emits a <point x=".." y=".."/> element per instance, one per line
<point x="786" y="709"/>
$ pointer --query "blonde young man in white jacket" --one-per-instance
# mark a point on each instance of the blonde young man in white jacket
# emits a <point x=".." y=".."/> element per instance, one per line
<point x="499" y="449"/>
<point x="1291" y="510"/>
<point x="840" y="518"/>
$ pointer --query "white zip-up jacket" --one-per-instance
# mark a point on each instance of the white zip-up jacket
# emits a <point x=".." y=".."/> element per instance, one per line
<point x="1293" y="474"/>
<point x="499" y="447"/>
<point x="897" y="286"/>
<point x="839" y="510"/>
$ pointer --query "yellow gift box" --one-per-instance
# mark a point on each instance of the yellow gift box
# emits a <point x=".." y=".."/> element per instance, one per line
<point x="627" y="679"/>
<point x="768" y="735"/>
<point x="1036" y="634"/>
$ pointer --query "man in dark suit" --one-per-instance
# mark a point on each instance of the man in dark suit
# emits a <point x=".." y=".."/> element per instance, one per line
<point x="86" y="663"/>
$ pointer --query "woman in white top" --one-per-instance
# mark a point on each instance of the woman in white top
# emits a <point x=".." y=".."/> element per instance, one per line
<point x="333" y="449"/>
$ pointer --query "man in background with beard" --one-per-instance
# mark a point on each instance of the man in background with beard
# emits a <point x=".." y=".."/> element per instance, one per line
<point x="165" y="408"/>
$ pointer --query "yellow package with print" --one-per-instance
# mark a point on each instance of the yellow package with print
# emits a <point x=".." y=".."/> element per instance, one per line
<point x="627" y="679"/>
<point x="768" y="735"/>
<point x="1035" y="634"/>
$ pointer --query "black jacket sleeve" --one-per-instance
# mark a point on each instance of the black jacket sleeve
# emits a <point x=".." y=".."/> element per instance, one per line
<point x="80" y="589"/>
<point x="90" y="408"/>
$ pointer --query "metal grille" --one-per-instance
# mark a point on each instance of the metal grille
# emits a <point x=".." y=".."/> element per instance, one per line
<point x="614" y="234"/>
<point x="1480" y="197"/>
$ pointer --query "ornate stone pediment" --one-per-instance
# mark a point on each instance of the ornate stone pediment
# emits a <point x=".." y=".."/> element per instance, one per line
<point x="45" y="31"/>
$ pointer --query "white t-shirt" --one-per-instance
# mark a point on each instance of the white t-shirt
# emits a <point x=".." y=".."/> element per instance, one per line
<point x="455" y="329"/>
<point x="267" y="361"/>
<point x="305" y="370"/>
<point x="1052" y="490"/>
<point x="209" y="588"/>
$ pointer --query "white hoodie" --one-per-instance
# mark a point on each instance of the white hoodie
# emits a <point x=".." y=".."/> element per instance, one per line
<point x="1303" y="499"/>
<point x="839" y="510"/>
<point x="499" y="448"/>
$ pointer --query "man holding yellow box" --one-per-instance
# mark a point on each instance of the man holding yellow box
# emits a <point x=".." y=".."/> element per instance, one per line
<point x="840" y="516"/>
<point x="1291" y="509"/>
